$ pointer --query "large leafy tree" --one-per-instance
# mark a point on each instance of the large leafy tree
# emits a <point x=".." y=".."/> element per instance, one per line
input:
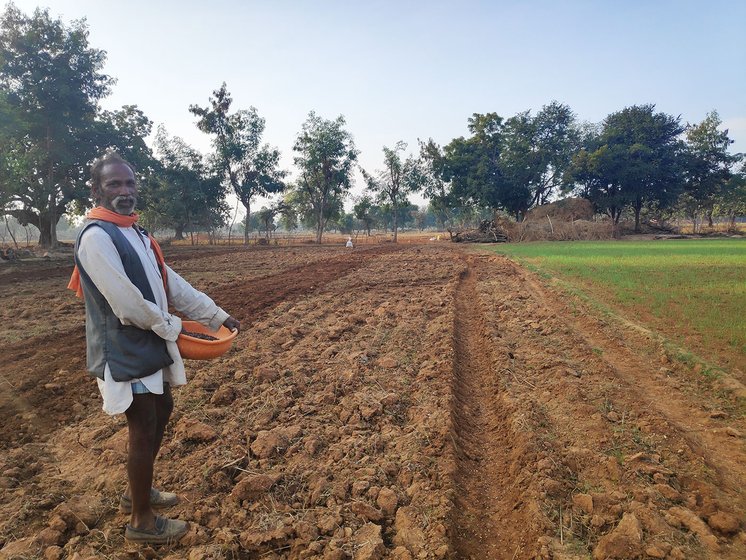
<point x="636" y="160"/>
<point x="51" y="80"/>
<point x="472" y="165"/>
<point x="325" y="160"/>
<point x="125" y="131"/>
<point x="436" y="188"/>
<point x="708" y="165"/>
<point x="399" y="178"/>
<point x="248" y="166"/>
<point x="476" y="168"/>
<point x="645" y="149"/>
<point x="538" y="150"/>
<point x="184" y="194"/>
<point x="589" y="174"/>
<point x="9" y="127"/>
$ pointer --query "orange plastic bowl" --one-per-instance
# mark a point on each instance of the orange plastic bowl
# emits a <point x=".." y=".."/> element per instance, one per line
<point x="198" y="349"/>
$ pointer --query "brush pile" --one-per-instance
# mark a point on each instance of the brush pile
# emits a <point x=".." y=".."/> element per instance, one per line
<point x="489" y="231"/>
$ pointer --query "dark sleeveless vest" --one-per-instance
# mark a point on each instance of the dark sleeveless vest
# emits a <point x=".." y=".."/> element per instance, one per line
<point x="131" y="352"/>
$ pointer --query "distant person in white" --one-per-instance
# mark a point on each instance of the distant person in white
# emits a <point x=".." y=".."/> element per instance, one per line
<point x="146" y="401"/>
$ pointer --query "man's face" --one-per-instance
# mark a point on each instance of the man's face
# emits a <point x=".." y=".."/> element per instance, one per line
<point x="118" y="189"/>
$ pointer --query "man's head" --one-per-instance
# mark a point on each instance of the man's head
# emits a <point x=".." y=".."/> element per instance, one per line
<point x="113" y="184"/>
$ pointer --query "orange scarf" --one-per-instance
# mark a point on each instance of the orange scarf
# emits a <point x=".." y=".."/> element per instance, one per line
<point x="100" y="213"/>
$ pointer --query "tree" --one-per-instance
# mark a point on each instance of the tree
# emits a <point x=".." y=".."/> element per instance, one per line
<point x="365" y="212"/>
<point x="708" y="165"/>
<point x="537" y="150"/>
<point x="472" y="165"/>
<point x="326" y="156"/>
<point x="125" y="130"/>
<point x="9" y="127"/>
<point x="419" y="217"/>
<point x="345" y="223"/>
<point x="250" y="168"/>
<point x="184" y="194"/>
<point x="51" y="80"/>
<point x="436" y="188"/>
<point x="636" y="160"/>
<point x="474" y="168"/>
<point x="588" y="173"/>
<point x="397" y="180"/>
<point x="731" y="201"/>
<point x="646" y="153"/>
<point x="266" y="217"/>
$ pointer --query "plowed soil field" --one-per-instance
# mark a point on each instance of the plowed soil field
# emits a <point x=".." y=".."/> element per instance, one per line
<point x="392" y="401"/>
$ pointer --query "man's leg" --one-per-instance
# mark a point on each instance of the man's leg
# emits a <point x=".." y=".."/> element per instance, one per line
<point x="164" y="405"/>
<point x="142" y="423"/>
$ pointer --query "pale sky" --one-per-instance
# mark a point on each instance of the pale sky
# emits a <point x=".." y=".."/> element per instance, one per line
<point x="403" y="70"/>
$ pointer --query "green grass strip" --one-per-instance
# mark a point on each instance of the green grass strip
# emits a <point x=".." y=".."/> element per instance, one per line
<point x="697" y="285"/>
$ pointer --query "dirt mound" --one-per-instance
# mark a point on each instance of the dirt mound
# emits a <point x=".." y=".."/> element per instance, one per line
<point x="402" y="401"/>
<point x="565" y="210"/>
<point x="565" y="220"/>
<point x="550" y="230"/>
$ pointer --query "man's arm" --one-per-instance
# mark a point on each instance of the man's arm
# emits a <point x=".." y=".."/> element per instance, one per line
<point x="196" y="305"/>
<point x="100" y="260"/>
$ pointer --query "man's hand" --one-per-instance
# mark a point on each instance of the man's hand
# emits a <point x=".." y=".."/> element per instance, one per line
<point x="232" y="323"/>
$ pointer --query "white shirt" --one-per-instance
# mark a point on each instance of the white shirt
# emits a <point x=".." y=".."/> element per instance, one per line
<point x="102" y="263"/>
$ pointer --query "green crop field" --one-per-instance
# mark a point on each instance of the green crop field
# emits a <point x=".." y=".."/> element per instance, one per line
<point x="698" y="287"/>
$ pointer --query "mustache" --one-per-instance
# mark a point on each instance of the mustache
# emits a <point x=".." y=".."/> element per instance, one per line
<point x="124" y="200"/>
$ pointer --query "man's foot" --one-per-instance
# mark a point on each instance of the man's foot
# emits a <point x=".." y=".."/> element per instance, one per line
<point x="158" y="500"/>
<point x="166" y="531"/>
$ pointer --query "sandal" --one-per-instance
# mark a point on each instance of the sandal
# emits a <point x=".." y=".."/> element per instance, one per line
<point x="166" y="531"/>
<point x="158" y="500"/>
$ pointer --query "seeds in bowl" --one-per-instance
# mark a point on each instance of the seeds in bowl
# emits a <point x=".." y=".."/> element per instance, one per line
<point x="201" y="336"/>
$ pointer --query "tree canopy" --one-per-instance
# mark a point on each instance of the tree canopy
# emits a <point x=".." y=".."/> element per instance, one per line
<point x="325" y="161"/>
<point x="51" y="128"/>
<point x="637" y="159"/>
<point x="707" y="171"/>
<point x="396" y="180"/>
<point x="184" y="193"/>
<point x="248" y="166"/>
<point x="51" y="83"/>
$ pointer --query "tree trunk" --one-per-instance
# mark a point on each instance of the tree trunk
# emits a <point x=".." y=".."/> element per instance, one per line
<point x="396" y="222"/>
<point x="179" y="232"/>
<point x="13" y="237"/>
<point x="616" y="213"/>
<point x="48" y="230"/>
<point x="246" y="222"/>
<point x="320" y="222"/>
<point x="638" y="208"/>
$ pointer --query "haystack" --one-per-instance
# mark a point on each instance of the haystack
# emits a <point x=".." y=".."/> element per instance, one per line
<point x="565" y="210"/>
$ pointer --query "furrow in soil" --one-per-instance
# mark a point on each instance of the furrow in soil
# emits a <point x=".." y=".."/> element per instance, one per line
<point x="482" y="439"/>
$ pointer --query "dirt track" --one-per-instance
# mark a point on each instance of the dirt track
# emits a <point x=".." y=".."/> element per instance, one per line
<point x="413" y="401"/>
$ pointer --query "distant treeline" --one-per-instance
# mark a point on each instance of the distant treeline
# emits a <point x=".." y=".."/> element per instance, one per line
<point x="637" y="161"/>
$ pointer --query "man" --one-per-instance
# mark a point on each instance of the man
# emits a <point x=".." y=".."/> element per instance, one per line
<point x="130" y="335"/>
